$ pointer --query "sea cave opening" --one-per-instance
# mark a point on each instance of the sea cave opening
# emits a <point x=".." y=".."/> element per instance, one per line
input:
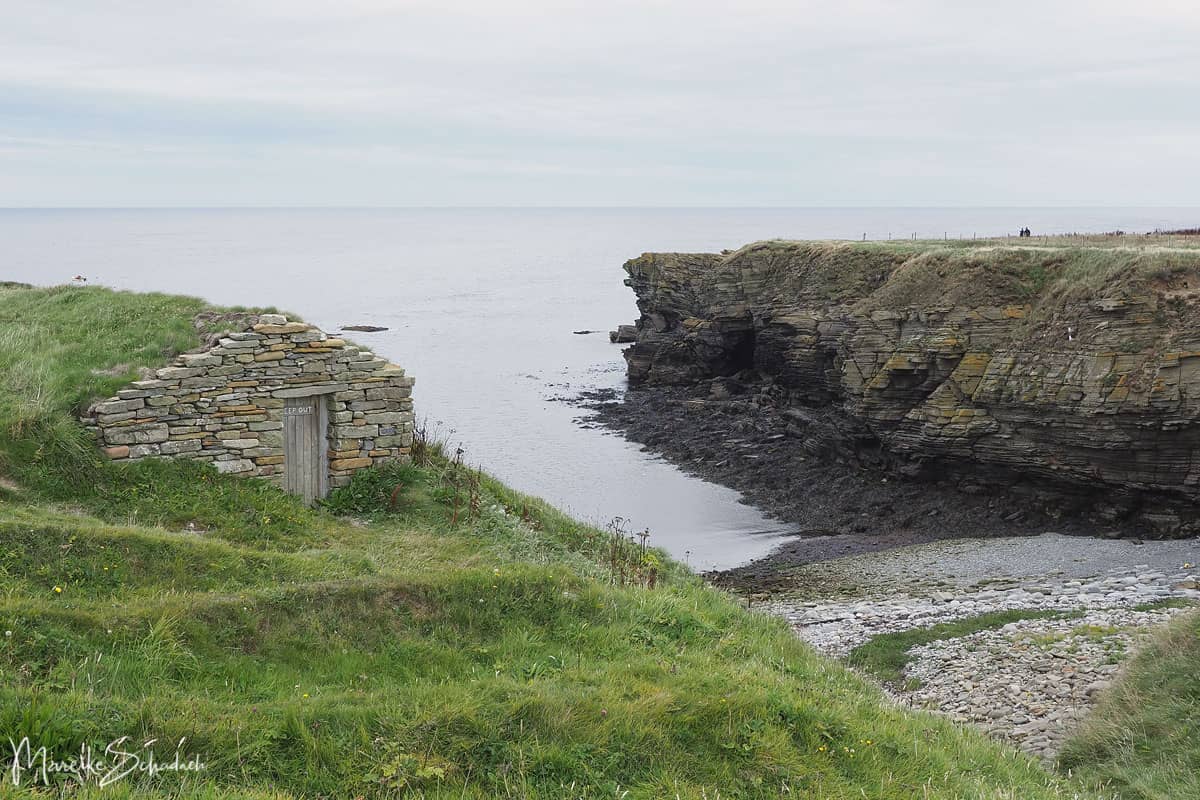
<point x="741" y="354"/>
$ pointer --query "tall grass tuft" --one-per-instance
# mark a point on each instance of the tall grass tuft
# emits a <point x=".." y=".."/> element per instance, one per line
<point x="1143" y="739"/>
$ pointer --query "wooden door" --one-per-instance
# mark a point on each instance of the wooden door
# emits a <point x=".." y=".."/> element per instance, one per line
<point x="304" y="447"/>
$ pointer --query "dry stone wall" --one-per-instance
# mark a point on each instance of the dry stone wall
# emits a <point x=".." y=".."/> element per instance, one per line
<point x="225" y="404"/>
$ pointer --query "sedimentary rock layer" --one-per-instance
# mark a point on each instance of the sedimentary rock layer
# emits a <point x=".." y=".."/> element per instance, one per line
<point x="1073" y="367"/>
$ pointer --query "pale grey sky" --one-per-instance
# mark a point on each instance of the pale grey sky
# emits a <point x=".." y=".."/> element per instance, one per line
<point x="655" y="102"/>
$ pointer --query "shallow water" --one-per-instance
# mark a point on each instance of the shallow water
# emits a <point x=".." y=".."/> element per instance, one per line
<point x="481" y="305"/>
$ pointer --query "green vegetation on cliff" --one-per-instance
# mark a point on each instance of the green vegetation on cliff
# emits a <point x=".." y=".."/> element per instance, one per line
<point x="461" y="641"/>
<point x="62" y="347"/>
<point x="1061" y="377"/>
<point x="969" y="273"/>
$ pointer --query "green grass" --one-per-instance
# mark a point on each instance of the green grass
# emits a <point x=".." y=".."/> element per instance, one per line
<point x="413" y="655"/>
<point x="62" y="348"/>
<point x="1143" y="740"/>
<point x="1047" y="274"/>
<point x="885" y="656"/>
<point x="1166" y="603"/>
<point x="464" y="641"/>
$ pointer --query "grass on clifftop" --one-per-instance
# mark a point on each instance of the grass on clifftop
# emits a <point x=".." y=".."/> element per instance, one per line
<point x="1045" y="273"/>
<point x="63" y="347"/>
<point x="1143" y="740"/>
<point x="467" y="643"/>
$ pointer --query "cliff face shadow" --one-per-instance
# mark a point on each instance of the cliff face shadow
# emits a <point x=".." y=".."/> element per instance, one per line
<point x="842" y="491"/>
<point x="876" y="394"/>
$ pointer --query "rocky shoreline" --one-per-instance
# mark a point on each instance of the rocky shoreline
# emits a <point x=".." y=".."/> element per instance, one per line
<point x="739" y="432"/>
<point x="876" y="553"/>
<point x="1030" y="681"/>
<point x="1062" y="382"/>
<point x="971" y="442"/>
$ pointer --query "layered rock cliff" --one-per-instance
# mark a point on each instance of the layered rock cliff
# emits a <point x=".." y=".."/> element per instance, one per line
<point x="1070" y="368"/>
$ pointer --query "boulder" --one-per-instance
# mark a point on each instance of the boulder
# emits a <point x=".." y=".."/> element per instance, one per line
<point x="624" y="334"/>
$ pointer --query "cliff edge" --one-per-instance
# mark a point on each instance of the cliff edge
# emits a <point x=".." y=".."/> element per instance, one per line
<point x="1066" y="373"/>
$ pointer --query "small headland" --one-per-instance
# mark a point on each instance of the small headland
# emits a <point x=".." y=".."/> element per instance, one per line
<point x="985" y="448"/>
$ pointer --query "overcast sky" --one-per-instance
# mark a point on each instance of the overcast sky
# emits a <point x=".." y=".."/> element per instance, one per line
<point x="604" y="102"/>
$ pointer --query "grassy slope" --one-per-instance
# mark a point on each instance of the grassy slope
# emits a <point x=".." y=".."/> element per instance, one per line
<point x="1143" y="740"/>
<point x="306" y="654"/>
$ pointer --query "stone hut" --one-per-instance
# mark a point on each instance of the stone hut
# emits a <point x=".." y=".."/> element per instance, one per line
<point x="277" y="400"/>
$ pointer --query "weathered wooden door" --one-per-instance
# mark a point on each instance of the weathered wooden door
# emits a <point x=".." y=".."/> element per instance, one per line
<point x="304" y="447"/>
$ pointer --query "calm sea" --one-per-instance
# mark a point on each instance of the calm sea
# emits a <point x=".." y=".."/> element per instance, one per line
<point x="481" y="305"/>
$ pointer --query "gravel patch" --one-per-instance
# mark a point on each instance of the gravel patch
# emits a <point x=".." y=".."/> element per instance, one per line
<point x="1029" y="682"/>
